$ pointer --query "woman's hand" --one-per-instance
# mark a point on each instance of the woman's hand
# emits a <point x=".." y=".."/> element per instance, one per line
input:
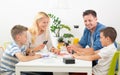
<point x="54" y="50"/>
<point x="69" y="49"/>
<point x="39" y="47"/>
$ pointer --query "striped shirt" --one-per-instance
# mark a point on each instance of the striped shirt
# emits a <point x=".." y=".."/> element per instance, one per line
<point x="9" y="59"/>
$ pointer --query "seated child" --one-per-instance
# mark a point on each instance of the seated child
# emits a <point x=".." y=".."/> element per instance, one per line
<point x="104" y="55"/>
<point x="15" y="51"/>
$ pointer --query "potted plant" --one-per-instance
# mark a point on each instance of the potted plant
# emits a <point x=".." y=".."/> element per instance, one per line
<point x="60" y="39"/>
<point x="68" y="37"/>
<point x="60" y="42"/>
<point x="57" y="26"/>
<point x="64" y="40"/>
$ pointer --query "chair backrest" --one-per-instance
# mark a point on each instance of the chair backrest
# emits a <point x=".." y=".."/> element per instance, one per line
<point x="6" y="44"/>
<point x="119" y="63"/>
<point x="112" y="68"/>
<point x="1" y="52"/>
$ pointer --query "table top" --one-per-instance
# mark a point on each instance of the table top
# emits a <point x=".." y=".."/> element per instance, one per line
<point x="51" y="59"/>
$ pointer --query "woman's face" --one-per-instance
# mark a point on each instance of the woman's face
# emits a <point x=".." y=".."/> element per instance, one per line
<point x="43" y="23"/>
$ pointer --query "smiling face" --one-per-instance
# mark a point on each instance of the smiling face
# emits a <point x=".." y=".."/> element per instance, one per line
<point x="43" y="23"/>
<point x="90" y="21"/>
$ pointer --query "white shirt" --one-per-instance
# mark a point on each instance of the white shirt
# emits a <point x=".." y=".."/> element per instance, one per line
<point x="106" y="55"/>
<point x="39" y="40"/>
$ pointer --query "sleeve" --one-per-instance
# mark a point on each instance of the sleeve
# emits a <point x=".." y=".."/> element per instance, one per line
<point x="106" y="52"/>
<point x="14" y="50"/>
<point x="49" y="44"/>
<point x="83" y="40"/>
<point x="97" y="44"/>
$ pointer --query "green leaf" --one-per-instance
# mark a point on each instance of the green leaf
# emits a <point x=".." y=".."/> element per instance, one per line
<point x="68" y="35"/>
<point x="66" y="27"/>
<point x="57" y="26"/>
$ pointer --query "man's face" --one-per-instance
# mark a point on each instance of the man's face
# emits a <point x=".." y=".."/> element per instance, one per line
<point x="90" y="21"/>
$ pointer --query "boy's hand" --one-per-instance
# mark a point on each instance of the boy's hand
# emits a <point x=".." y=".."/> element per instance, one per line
<point x="38" y="56"/>
<point x="75" y="55"/>
<point x="30" y="52"/>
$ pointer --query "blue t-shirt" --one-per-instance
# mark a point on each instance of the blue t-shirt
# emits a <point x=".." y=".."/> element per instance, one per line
<point x="86" y="38"/>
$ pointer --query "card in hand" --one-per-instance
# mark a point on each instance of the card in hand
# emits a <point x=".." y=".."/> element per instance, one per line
<point x="45" y="42"/>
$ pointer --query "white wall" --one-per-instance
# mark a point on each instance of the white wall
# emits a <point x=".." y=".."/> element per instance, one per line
<point x="70" y="11"/>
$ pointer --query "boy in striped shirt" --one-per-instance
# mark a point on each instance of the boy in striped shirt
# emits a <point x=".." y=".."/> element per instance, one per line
<point x="15" y="51"/>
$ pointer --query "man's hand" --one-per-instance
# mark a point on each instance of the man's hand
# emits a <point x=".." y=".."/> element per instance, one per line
<point x="72" y="48"/>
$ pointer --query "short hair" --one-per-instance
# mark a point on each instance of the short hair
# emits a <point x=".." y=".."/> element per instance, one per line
<point x="17" y="29"/>
<point x="87" y="12"/>
<point x="109" y="32"/>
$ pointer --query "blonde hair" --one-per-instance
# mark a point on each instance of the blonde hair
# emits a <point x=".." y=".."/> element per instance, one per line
<point x="34" y="28"/>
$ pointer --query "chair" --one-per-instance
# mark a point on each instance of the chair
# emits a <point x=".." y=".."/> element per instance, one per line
<point x="6" y="44"/>
<point x="1" y="52"/>
<point x="112" y="68"/>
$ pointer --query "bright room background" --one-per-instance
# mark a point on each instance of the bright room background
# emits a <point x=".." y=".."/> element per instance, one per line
<point x="22" y="12"/>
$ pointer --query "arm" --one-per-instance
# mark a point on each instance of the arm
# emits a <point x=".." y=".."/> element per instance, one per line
<point x="85" y="51"/>
<point x="89" y="57"/>
<point x="49" y="44"/>
<point x="23" y="58"/>
<point x="30" y="44"/>
<point x="30" y="52"/>
<point x="39" y="47"/>
<point x="97" y="51"/>
<point x="81" y="51"/>
<point x="54" y="50"/>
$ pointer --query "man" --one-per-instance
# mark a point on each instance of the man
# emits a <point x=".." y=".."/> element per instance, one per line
<point x="91" y="35"/>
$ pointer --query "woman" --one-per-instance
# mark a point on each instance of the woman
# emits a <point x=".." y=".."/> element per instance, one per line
<point x="39" y="32"/>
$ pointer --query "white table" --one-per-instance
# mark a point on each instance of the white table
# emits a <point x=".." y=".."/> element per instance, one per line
<point x="54" y="64"/>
